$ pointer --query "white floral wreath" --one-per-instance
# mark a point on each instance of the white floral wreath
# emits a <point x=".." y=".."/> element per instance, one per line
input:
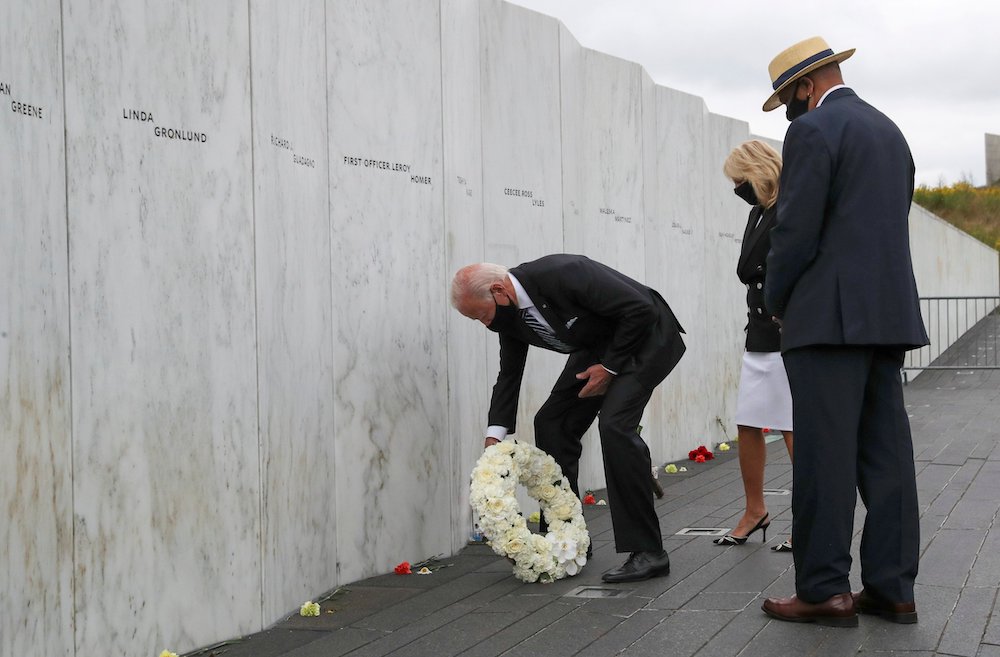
<point x="563" y="550"/>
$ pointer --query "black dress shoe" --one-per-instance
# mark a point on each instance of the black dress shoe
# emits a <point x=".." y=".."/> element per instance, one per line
<point x="896" y="612"/>
<point x="640" y="566"/>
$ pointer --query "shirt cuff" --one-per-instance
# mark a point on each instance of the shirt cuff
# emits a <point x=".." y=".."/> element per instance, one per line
<point x="496" y="431"/>
<point x="610" y="371"/>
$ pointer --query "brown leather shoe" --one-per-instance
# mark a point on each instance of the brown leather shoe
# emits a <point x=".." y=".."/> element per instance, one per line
<point x="896" y="612"/>
<point x="838" y="611"/>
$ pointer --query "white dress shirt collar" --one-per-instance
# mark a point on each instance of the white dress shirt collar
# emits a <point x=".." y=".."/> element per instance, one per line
<point x="828" y="91"/>
<point x="523" y="300"/>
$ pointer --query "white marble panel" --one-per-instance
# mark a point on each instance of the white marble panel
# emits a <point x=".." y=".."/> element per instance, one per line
<point x="36" y="605"/>
<point x="603" y="210"/>
<point x="294" y="302"/>
<point x="165" y="445"/>
<point x="725" y="219"/>
<point x="674" y="159"/>
<point x="948" y="261"/>
<point x="468" y="382"/>
<point x="522" y="172"/>
<point x="390" y="293"/>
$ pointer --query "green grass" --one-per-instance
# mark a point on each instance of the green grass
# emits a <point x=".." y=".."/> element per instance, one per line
<point x="976" y="210"/>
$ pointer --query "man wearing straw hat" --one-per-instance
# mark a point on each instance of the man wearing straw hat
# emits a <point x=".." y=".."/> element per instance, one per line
<point x="840" y="282"/>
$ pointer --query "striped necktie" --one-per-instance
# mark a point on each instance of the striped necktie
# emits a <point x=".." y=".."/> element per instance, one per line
<point x="547" y="336"/>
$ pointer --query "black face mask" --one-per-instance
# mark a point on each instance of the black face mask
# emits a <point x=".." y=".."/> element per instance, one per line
<point x="505" y="318"/>
<point x="795" y="108"/>
<point x="745" y="191"/>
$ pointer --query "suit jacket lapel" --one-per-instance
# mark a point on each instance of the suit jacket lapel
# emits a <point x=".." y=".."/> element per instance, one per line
<point x="542" y="305"/>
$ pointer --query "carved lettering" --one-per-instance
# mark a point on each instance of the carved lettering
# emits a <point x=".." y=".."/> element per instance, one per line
<point x="421" y="180"/>
<point x="278" y="142"/>
<point x="381" y="165"/>
<point x="5" y="88"/>
<point x="180" y="135"/>
<point x="136" y="115"/>
<point x="27" y="110"/>
<point x="304" y="161"/>
<point x="510" y="191"/>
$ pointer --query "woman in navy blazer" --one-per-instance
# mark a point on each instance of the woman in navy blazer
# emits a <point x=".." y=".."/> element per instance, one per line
<point x="764" y="399"/>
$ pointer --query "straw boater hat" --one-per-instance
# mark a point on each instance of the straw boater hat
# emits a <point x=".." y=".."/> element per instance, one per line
<point x="792" y="63"/>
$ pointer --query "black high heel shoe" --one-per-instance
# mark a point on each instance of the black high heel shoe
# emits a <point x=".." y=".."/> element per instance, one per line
<point x="762" y="525"/>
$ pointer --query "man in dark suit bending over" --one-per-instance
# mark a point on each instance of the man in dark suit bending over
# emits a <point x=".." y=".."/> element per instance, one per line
<point x="840" y="280"/>
<point x="622" y="340"/>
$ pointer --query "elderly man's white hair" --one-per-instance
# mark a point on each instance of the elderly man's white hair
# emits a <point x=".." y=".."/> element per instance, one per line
<point x="474" y="281"/>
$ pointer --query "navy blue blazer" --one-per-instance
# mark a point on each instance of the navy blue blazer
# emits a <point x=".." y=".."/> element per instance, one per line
<point x="603" y="315"/>
<point x="839" y="271"/>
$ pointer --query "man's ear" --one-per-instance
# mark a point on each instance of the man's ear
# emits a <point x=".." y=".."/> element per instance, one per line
<point x="806" y="84"/>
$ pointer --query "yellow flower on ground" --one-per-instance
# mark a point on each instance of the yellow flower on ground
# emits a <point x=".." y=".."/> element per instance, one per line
<point x="682" y="469"/>
<point x="167" y="653"/>
<point x="535" y="517"/>
<point x="424" y="571"/>
<point x="723" y="447"/>
<point x="309" y="608"/>
<point x="671" y="468"/>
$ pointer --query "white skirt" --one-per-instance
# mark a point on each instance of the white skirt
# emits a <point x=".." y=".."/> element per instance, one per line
<point x="764" y="398"/>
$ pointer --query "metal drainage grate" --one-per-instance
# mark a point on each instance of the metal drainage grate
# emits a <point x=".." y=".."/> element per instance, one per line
<point x="596" y="592"/>
<point x="777" y="491"/>
<point x="703" y="531"/>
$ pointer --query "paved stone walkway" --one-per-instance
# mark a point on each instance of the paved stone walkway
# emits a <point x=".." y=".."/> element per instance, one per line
<point x="710" y="602"/>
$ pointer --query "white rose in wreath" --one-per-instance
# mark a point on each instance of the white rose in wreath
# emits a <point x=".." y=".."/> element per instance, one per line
<point x="495" y="478"/>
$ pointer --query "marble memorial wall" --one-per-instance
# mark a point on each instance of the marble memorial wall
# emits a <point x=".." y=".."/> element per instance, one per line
<point x="388" y="259"/>
<point x="36" y="469"/>
<point x="722" y="331"/>
<point x="603" y="212"/>
<point x="468" y="386"/>
<point x="294" y="292"/>
<point x="163" y="370"/>
<point x="521" y="168"/>
<point x="234" y="380"/>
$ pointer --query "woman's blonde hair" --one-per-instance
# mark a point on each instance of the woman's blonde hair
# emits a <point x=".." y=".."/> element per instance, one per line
<point x="758" y="163"/>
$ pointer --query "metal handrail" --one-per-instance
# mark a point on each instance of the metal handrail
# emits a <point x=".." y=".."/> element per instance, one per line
<point x="964" y="332"/>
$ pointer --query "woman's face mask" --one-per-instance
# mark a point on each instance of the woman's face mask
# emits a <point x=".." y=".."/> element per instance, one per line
<point x="745" y="191"/>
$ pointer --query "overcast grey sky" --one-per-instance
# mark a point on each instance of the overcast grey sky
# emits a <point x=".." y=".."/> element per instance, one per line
<point x="932" y="67"/>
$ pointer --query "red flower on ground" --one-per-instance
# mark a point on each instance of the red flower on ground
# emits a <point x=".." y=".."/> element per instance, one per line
<point x="700" y="458"/>
<point x="403" y="568"/>
<point x="693" y="454"/>
<point x="589" y="499"/>
<point x="766" y="429"/>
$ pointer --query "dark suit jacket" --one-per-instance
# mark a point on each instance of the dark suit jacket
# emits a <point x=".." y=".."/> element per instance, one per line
<point x="839" y="271"/>
<point x="605" y="316"/>
<point x="762" y="331"/>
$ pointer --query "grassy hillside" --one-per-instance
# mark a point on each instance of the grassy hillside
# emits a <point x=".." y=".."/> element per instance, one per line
<point x="976" y="210"/>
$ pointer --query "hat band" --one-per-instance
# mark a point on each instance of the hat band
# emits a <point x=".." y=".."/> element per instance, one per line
<point x="781" y="79"/>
